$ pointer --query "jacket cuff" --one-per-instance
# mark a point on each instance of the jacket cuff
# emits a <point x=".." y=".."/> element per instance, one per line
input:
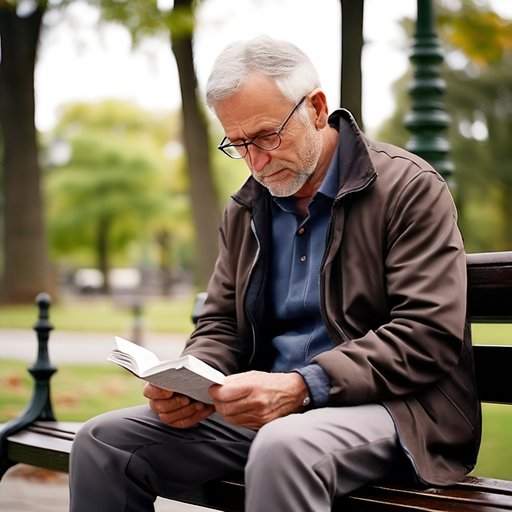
<point x="317" y="382"/>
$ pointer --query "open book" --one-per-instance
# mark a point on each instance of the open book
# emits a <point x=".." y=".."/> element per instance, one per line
<point x="186" y="375"/>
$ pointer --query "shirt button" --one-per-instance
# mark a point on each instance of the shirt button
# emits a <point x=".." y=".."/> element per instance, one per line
<point x="300" y="231"/>
<point x="303" y="258"/>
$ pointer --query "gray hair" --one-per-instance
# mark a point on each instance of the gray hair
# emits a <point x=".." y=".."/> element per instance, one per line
<point x="292" y="70"/>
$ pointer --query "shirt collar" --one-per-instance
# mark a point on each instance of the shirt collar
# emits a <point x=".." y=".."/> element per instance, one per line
<point x="329" y="185"/>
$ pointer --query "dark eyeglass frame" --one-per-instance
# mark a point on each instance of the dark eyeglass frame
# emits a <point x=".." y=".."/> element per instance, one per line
<point x="242" y="153"/>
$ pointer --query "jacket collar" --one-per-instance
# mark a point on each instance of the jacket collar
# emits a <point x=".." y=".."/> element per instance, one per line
<point x="356" y="168"/>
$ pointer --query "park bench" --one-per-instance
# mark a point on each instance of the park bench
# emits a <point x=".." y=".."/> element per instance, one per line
<point x="35" y="438"/>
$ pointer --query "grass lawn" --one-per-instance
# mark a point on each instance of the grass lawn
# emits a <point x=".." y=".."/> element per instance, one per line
<point x="78" y="391"/>
<point x="495" y="458"/>
<point x="104" y="315"/>
<point x="492" y="334"/>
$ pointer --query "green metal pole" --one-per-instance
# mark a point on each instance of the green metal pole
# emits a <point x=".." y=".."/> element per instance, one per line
<point x="428" y="119"/>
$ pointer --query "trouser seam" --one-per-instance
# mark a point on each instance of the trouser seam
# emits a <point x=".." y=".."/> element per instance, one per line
<point x="132" y="454"/>
<point x="329" y="455"/>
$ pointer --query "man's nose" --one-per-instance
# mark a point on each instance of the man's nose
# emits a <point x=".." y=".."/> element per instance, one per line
<point x="258" y="158"/>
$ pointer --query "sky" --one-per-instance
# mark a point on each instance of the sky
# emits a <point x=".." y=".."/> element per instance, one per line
<point x="82" y="60"/>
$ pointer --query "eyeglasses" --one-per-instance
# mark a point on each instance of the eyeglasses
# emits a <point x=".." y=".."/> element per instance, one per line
<point x="265" y="142"/>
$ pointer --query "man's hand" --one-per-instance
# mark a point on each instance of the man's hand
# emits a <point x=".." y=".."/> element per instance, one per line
<point x="176" y="410"/>
<point x="252" y="399"/>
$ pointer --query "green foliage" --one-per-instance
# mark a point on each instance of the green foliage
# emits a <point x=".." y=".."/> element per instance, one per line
<point x="118" y="175"/>
<point x="478" y="99"/>
<point x="145" y="17"/>
<point x="105" y="180"/>
<point x="481" y="34"/>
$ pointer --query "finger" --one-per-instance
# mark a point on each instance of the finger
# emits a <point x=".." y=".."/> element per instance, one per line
<point x="247" y="421"/>
<point x="200" y="412"/>
<point x="229" y="392"/>
<point x="170" y="404"/>
<point x="182" y="412"/>
<point x="154" y="392"/>
<point x="193" y="420"/>
<point x="252" y="404"/>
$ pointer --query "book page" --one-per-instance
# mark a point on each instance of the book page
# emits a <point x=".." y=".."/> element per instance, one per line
<point x="143" y="357"/>
<point x="205" y="370"/>
<point x="185" y="381"/>
<point x="186" y="375"/>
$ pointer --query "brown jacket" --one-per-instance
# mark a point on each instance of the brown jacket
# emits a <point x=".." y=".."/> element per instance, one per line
<point x="393" y="297"/>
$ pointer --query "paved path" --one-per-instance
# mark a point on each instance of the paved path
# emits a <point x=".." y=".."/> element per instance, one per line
<point x="69" y="347"/>
<point x="50" y="494"/>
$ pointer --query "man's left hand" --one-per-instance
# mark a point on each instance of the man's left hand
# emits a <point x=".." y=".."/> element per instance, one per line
<point x="252" y="399"/>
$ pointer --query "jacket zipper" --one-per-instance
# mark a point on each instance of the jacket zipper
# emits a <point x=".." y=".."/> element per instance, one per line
<point x="249" y="317"/>
<point x="326" y="320"/>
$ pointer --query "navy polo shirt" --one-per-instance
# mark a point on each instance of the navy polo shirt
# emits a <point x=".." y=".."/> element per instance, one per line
<point x="298" y="331"/>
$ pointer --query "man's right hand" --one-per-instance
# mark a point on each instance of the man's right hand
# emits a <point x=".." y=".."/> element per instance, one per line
<point x="176" y="410"/>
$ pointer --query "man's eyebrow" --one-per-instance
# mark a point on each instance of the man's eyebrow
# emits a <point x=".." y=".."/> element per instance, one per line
<point x="252" y="135"/>
<point x="262" y="131"/>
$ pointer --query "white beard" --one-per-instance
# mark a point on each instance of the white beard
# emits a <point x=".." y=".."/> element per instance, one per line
<point x="308" y="156"/>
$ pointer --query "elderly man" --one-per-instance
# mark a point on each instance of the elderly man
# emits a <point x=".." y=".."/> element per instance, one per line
<point x="336" y="308"/>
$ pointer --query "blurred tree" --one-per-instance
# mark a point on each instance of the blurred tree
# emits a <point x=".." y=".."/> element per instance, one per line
<point x="143" y="18"/>
<point x="479" y="100"/>
<point x="476" y="31"/>
<point x="115" y="187"/>
<point x="351" y="47"/>
<point x="481" y="107"/>
<point x="26" y="269"/>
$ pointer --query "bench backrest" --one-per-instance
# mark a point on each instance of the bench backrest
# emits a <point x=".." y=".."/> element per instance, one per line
<point x="490" y="301"/>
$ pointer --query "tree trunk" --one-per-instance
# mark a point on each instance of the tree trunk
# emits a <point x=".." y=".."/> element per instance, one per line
<point x="102" y="252"/>
<point x="351" y="48"/>
<point x="205" y="208"/>
<point x="163" y="240"/>
<point x="26" y="269"/>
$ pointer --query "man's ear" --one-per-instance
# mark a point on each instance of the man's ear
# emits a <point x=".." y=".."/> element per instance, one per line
<point x="319" y="104"/>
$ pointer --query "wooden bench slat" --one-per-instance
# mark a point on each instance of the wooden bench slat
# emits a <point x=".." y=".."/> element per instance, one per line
<point x="29" y="438"/>
<point x="487" y="484"/>
<point x="472" y="495"/>
<point x="489" y="284"/>
<point x="55" y="429"/>
<point x="368" y="504"/>
<point x="493" y="364"/>
<point x="69" y="427"/>
<point x="39" y="450"/>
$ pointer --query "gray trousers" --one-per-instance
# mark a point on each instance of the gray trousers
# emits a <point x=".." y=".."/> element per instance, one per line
<point x="122" y="460"/>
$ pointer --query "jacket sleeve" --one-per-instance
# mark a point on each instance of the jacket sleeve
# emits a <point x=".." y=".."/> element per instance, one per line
<point x="215" y="339"/>
<point x="425" y="275"/>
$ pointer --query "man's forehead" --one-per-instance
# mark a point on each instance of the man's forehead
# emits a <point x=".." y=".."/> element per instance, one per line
<point x="256" y="106"/>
